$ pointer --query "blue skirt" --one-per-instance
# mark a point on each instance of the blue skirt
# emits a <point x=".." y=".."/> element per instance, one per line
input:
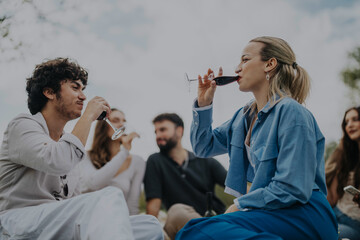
<point x="314" y="220"/>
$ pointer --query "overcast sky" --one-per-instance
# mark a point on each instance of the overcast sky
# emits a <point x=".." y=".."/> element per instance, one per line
<point x="136" y="53"/>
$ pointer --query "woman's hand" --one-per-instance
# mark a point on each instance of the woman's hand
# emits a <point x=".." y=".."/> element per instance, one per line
<point x="232" y="208"/>
<point x="127" y="139"/>
<point x="207" y="88"/>
<point x="356" y="199"/>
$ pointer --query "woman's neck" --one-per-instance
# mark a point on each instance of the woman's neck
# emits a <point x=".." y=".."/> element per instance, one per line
<point x="261" y="96"/>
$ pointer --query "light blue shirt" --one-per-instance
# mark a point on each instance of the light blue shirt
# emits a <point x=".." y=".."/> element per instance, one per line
<point x="286" y="146"/>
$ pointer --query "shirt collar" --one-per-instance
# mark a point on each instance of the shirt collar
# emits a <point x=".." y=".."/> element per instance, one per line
<point x="41" y="120"/>
<point x="191" y="156"/>
<point x="269" y="105"/>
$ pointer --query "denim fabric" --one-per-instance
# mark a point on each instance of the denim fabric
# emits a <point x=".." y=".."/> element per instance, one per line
<point x="348" y="227"/>
<point x="314" y="220"/>
<point x="287" y="147"/>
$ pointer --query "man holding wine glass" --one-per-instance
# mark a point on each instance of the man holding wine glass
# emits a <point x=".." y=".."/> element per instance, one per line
<point x="37" y="194"/>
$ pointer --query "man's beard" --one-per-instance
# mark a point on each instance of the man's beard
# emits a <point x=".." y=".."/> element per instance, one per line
<point x="170" y="144"/>
<point x="62" y="108"/>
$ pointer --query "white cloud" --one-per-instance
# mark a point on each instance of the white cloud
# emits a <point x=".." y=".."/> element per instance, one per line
<point x="178" y="36"/>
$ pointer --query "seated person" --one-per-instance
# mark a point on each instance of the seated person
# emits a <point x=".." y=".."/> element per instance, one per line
<point x="36" y="199"/>
<point x="108" y="164"/>
<point x="177" y="178"/>
<point x="273" y="142"/>
<point x="342" y="169"/>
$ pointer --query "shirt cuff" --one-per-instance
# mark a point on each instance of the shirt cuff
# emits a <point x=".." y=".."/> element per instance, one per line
<point x="236" y="202"/>
<point x="202" y="116"/>
<point x="197" y="108"/>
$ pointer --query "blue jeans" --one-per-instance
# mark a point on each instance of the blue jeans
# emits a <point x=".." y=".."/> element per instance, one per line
<point x="314" y="220"/>
<point x="348" y="227"/>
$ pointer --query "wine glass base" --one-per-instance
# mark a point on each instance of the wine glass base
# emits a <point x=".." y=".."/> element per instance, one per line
<point x="118" y="133"/>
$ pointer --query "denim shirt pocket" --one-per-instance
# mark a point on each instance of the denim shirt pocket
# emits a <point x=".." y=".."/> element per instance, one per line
<point x="266" y="152"/>
<point x="237" y="138"/>
<point x="266" y="156"/>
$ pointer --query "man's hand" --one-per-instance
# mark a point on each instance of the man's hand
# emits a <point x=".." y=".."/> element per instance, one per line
<point x="93" y="110"/>
<point x="95" y="107"/>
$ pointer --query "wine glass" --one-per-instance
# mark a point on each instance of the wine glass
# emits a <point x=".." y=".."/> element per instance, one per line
<point x="220" y="81"/>
<point x="118" y="132"/>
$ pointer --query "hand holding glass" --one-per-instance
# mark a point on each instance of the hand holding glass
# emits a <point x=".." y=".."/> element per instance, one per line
<point x="118" y="132"/>
<point x="220" y="81"/>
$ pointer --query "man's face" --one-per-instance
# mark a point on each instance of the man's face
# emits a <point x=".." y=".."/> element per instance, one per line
<point x="70" y="100"/>
<point x="167" y="135"/>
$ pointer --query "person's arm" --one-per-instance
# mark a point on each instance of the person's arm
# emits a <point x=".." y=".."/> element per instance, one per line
<point x="205" y="141"/>
<point x="100" y="178"/>
<point x="92" y="111"/>
<point x="30" y="146"/>
<point x="153" y="185"/>
<point x="332" y="196"/>
<point x="153" y="206"/>
<point x="135" y="187"/>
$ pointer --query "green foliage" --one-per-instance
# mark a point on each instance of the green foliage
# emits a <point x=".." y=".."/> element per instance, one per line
<point x="329" y="149"/>
<point x="351" y="74"/>
<point x="219" y="192"/>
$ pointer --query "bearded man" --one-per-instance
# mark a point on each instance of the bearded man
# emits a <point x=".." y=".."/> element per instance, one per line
<point x="177" y="179"/>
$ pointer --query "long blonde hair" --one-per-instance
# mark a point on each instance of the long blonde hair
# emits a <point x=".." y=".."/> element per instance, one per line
<point x="100" y="150"/>
<point x="288" y="78"/>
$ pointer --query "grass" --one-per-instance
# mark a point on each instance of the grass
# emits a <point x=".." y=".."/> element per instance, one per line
<point x="219" y="192"/>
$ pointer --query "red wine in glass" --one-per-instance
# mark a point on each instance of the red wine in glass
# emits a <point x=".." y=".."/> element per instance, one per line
<point x="220" y="81"/>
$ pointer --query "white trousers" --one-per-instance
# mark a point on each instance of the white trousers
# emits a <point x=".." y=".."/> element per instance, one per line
<point x="97" y="215"/>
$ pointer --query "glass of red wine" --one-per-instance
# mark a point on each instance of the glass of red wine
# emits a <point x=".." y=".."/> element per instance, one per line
<point x="220" y="81"/>
<point x="118" y="132"/>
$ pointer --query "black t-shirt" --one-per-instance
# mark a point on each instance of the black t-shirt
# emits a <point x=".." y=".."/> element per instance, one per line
<point x="186" y="184"/>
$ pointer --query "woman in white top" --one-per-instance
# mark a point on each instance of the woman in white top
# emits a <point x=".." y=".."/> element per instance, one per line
<point x="342" y="169"/>
<point x="109" y="163"/>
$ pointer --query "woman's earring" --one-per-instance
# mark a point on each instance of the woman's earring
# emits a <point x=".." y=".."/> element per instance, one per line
<point x="267" y="76"/>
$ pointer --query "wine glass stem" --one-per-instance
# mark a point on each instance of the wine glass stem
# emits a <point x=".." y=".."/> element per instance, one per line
<point x="112" y="126"/>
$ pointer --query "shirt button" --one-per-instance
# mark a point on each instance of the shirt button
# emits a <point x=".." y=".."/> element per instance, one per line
<point x="195" y="114"/>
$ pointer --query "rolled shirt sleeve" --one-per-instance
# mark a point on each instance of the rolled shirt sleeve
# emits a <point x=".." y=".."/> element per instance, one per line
<point x="31" y="146"/>
<point x="206" y="142"/>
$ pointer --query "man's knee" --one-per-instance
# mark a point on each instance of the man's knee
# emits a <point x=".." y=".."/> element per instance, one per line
<point x="146" y="227"/>
<point x="181" y="212"/>
<point x="178" y="215"/>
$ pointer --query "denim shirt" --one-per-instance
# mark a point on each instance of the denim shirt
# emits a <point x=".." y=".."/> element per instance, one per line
<point x="286" y="146"/>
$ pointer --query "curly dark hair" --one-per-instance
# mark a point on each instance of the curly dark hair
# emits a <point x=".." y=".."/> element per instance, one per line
<point x="51" y="74"/>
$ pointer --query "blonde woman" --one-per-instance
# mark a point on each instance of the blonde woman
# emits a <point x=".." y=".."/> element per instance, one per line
<point x="109" y="163"/>
<point x="273" y="142"/>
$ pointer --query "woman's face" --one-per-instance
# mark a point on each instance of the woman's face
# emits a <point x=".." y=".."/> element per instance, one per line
<point x="251" y="69"/>
<point x="118" y="119"/>
<point x="352" y="125"/>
